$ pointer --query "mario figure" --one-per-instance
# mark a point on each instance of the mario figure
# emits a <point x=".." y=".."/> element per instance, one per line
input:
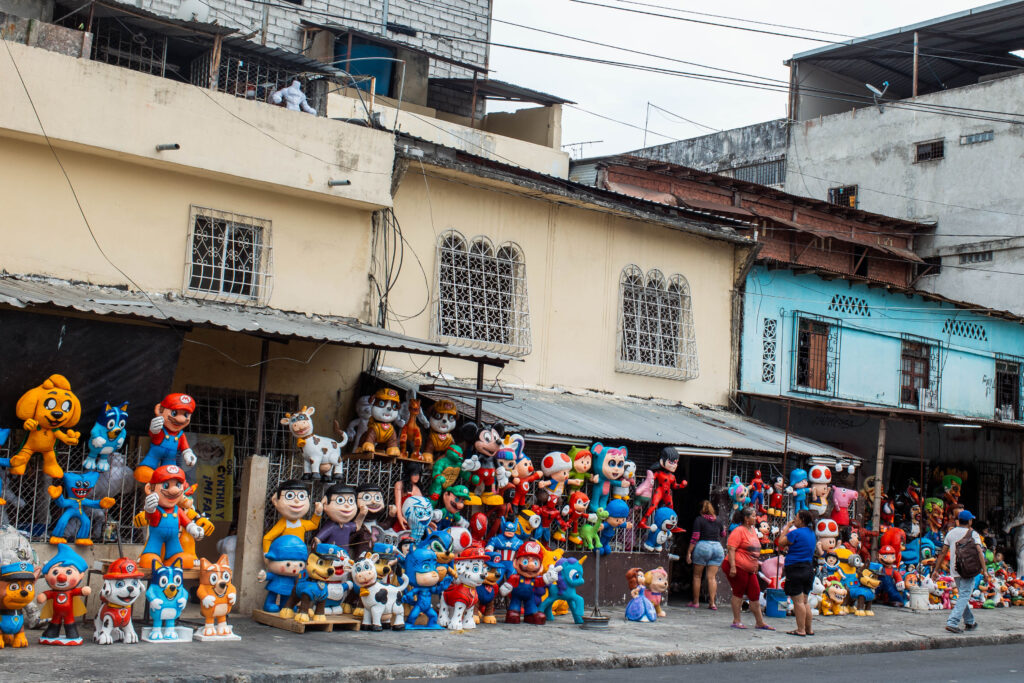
<point x="525" y="587"/>
<point x="167" y="436"/>
<point x="166" y="516"/>
<point x="63" y="601"/>
<point x="892" y="586"/>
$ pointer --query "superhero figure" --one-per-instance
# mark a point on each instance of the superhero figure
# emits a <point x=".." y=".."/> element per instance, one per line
<point x="80" y="487"/>
<point x="572" y="514"/>
<point x="63" y="574"/>
<point x="665" y="482"/>
<point x="550" y="517"/>
<point x="505" y="545"/>
<point x="426" y="579"/>
<point x="525" y="586"/>
<point x="167" y="436"/>
<point x="757" y="488"/>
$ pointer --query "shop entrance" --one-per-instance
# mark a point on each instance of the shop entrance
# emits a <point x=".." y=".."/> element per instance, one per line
<point x="700" y="474"/>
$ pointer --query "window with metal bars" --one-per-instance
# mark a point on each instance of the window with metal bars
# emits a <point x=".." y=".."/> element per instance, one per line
<point x="1007" y="390"/>
<point x="481" y="298"/>
<point x="929" y="151"/>
<point x="843" y="196"/>
<point x="816" y="366"/>
<point x="229" y="257"/>
<point x="976" y="257"/>
<point x="656" y="330"/>
<point x="915" y="362"/>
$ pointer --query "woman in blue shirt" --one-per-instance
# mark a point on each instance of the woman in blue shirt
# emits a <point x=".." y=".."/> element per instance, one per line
<point x="797" y="539"/>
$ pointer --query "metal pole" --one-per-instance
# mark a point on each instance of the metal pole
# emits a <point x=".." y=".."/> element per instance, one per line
<point x="785" y="448"/>
<point x="920" y="451"/>
<point x="915" y="64"/>
<point x="479" y="387"/>
<point x="647" y="118"/>
<point x="472" y="106"/>
<point x="261" y="402"/>
<point x="879" y="465"/>
<point x="384" y="18"/>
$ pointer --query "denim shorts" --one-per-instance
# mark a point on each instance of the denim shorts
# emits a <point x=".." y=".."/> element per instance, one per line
<point x="709" y="553"/>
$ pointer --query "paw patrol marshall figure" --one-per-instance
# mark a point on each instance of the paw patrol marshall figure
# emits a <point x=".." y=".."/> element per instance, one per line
<point x="122" y="586"/>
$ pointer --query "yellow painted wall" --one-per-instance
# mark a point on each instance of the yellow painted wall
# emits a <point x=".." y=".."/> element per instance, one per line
<point x="140" y="217"/>
<point x="573" y="259"/>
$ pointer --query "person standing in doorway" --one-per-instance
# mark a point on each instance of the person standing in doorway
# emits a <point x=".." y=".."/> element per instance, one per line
<point x="966" y="561"/>
<point x="744" y="550"/>
<point x="798" y="540"/>
<point x="706" y="551"/>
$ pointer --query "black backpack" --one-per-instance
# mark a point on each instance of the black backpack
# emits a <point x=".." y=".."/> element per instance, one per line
<point x="968" y="563"/>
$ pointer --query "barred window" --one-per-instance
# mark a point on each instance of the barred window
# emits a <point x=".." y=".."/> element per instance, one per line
<point x="481" y="297"/>
<point x="229" y="257"/>
<point x="656" y="332"/>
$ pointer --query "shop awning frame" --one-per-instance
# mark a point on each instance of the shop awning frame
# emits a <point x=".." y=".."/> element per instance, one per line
<point x="40" y="293"/>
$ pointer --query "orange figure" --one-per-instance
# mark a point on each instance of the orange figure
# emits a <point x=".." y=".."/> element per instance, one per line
<point x="47" y="411"/>
<point x="411" y="435"/>
<point x="217" y="596"/>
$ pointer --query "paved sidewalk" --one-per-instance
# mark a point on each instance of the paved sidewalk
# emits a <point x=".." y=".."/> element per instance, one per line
<point x="686" y="636"/>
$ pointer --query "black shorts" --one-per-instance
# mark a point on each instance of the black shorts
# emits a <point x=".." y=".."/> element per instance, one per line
<point x="799" y="579"/>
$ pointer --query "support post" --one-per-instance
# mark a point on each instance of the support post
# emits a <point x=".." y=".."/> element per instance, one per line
<point x="265" y="23"/>
<point x="479" y="387"/>
<point x="879" y="466"/>
<point x="472" y="106"/>
<point x="920" y="453"/>
<point x="785" y="447"/>
<point x="218" y="41"/>
<point x="915" y="64"/>
<point x="261" y="402"/>
<point x="249" y="551"/>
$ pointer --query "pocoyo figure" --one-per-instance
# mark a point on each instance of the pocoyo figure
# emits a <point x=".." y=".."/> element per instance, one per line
<point x="380" y="431"/>
<point x="426" y="579"/>
<point x="48" y="412"/>
<point x="737" y="494"/>
<point x="660" y="533"/>
<point x="107" y="437"/>
<point x="291" y="500"/>
<point x="63" y="599"/>
<point x="167" y="598"/>
<point x="618" y="513"/>
<point x="525" y="586"/>
<point x="285" y="563"/>
<point x="664" y="483"/>
<point x="167" y="436"/>
<point x="820" y="478"/>
<point x="609" y="469"/>
<point x="80" y="487"/>
<point x="776" y="501"/>
<point x="756" y="489"/>
<point x="441" y="420"/>
<point x="166" y="517"/>
<point x="293" y="98"/>
<point x="798" y="489"/>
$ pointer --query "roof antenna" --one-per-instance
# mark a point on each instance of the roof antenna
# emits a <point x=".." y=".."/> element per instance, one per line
<point x="877" y="95"/>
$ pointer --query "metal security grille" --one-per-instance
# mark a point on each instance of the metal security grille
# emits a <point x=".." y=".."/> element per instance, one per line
<point x="976" y="257"/>
<point x="32" y="511"/>
<point x="914" y="371"/>
<point x="115" y="43"/>
<point x="999" y="493"/>
<point x="816" y="366"/>
<point x="254" y="78"/>
<point x="928" y="151"/>
<point x="769" y="350"/>
<point x="975" y="138"/>
<point x="481" y="294"/>
<point x="766" y="173"/>
<point x="656" y="330"/>
<point x="1008" y="388"/>
<point x="230" y="257"/>
<point x="843" y="196"/>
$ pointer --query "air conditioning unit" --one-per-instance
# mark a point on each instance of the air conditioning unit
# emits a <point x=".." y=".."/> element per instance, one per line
<point x="1006" y="413"/>
<point x="928" y="399"/>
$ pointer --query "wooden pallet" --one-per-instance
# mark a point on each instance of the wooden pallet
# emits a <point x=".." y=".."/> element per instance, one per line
<point x="333" y="621"/>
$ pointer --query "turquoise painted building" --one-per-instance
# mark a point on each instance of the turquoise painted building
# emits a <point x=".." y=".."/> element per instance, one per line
<point x="842" y="342"/>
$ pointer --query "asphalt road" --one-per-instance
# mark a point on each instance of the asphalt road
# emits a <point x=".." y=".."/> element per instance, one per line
<point x="986" y="663"/>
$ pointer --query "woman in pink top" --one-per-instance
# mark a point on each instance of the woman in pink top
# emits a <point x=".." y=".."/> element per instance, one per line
<point x="744" y="549"/>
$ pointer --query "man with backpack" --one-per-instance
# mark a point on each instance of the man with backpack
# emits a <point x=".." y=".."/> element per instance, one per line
<point x="966" y="561"/>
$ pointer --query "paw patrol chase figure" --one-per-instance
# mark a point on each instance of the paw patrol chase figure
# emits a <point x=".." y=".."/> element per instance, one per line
<point x="17" y="590"/>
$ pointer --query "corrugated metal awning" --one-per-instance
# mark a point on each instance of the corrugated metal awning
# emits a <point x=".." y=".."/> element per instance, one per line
<point x="37" y="292"/>
<point x="606" y="417"/>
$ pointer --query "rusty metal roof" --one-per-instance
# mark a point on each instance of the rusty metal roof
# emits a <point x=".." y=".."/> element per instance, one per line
<point x="492" y="89"/>
<point x="261" y="321"/>
<point x="606" y="417"/>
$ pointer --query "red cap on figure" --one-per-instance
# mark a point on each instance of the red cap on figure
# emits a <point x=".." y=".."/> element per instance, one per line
<point x="887" y="550"/>
<point x="166" y="473"/>
<point x="531" y="549"/>
<point x="179" y="402"/>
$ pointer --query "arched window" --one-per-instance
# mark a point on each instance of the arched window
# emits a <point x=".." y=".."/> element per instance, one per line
<point x="481" y="295"/>
<point x="656" y="334"/>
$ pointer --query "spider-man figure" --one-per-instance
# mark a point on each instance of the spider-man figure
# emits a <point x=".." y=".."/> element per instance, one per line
<point x="664" y="483"/>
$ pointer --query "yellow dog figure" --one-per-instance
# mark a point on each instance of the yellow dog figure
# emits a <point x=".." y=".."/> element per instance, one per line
<point x="48" y="411"/>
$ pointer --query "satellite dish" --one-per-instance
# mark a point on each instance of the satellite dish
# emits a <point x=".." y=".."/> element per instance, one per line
<point x="877" y="94"/>
<point x="192" y="10"/>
